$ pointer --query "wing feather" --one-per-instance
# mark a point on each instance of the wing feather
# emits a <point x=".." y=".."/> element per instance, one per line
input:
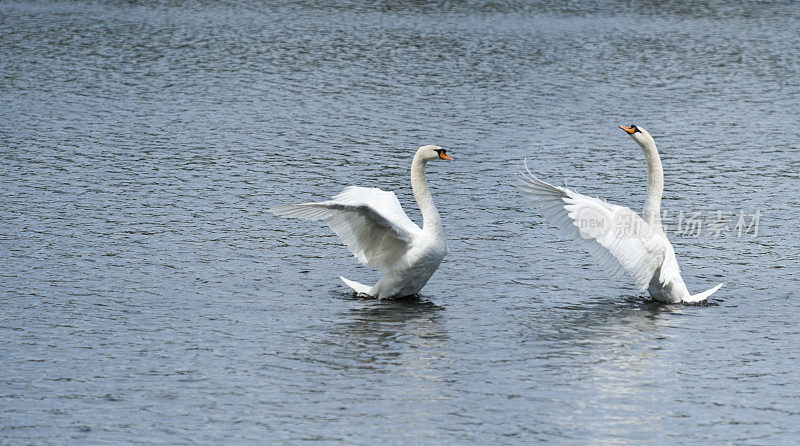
<point x="370" y="221"/>
<point x="615" y="236"/>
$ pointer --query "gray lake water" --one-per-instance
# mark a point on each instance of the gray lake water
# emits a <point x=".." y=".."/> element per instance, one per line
<point x="147" y="295"/>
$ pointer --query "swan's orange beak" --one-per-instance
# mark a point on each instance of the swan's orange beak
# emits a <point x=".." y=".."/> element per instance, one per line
<point x="630" y="130"/>
<point x="445" y="156"/>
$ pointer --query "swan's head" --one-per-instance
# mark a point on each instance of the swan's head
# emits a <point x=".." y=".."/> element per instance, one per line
<point x="638" y="134"/>
<point x="431" y="152"/>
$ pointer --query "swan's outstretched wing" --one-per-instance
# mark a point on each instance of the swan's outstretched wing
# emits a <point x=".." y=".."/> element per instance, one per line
<point x="617" y="237"/>
<point x="370" y="221"/>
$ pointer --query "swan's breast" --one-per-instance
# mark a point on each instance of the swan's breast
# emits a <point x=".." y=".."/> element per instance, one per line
<point x="427" y="252"/>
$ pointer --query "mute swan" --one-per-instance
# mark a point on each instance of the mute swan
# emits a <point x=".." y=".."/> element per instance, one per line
<point x="617" y="237"/>
<point x="378" y="232"/>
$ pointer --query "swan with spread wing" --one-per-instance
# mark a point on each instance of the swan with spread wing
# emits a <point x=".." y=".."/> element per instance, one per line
<point x="619" y="239"/>
<point x="378" y="232"/>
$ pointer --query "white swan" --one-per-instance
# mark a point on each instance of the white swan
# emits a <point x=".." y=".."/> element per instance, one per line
<point x="618" y="238"/>
<point x="378" y="232"/>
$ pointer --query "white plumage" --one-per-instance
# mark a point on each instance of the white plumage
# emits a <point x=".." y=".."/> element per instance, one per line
<point x="370" y="221"/>
<point x="373" y="225"/>
<point x="619" y="240"/>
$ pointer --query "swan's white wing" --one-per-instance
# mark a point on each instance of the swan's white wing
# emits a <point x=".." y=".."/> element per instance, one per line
<point x="370" y="221"/>
<point x="615" y="236"/>
<point x="670" y="271"/>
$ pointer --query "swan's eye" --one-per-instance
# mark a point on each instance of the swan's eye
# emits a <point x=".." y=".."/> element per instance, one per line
<point x="443" y="154"/>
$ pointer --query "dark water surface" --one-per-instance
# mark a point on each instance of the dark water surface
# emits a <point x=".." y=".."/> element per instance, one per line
<point x="147" y="295"/>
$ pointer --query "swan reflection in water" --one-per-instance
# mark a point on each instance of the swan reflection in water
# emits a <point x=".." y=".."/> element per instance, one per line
<point x="378" y="342"/>
<point x="618" y="353"/>
<point x="391" y="332"/>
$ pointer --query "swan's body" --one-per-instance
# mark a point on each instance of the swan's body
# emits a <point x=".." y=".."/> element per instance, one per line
<point x="378" y="232"/>
<point x="618" y="238"/>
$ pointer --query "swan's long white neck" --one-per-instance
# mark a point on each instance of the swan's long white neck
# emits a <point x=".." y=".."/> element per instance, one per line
<point x="655" y="185"/>
<point x="431" y="221"/>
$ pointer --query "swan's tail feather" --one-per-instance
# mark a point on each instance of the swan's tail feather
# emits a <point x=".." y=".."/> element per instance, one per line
<point x="704" y="295"/>
<point x="357" y="287"/>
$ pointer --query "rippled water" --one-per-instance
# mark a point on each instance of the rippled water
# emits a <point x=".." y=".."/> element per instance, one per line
<point x="148" y="295"/>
